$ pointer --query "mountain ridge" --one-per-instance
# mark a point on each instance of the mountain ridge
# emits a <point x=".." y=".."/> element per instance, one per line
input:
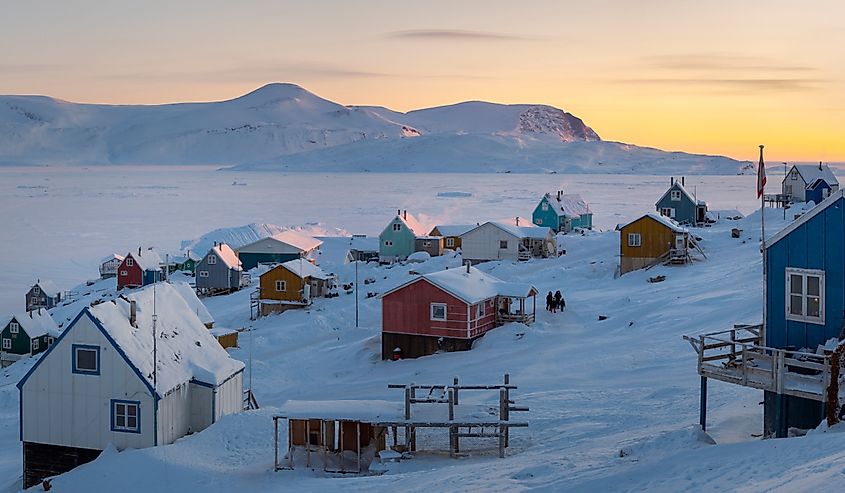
<point x="285" y="126"/>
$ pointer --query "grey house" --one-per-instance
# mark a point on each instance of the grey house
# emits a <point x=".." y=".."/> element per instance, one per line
<point x="219" y="271"/>
<point x="43" y="294"/>
<point x="678" y="204"/>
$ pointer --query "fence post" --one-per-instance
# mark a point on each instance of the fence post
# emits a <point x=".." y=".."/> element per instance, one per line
<point x="702" y="406"/>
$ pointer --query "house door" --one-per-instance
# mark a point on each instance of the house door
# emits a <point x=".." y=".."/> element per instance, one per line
<point x="679" y="242"/>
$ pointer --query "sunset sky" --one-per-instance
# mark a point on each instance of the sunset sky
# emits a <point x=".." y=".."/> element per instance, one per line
<point x="716" y="77"/>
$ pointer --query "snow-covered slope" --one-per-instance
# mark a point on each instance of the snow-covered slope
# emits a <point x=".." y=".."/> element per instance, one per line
<point x="283" y="126"/>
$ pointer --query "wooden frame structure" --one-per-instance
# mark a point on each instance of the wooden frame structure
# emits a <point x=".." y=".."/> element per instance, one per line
<point x="737" y="356"/>
<point x="460" y="424"/>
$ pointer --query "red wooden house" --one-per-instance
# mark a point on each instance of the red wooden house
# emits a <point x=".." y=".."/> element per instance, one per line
<point x="448" y="310"/>
<point x="139" y="269"/>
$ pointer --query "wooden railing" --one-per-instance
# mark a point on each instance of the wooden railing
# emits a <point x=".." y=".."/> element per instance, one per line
<point x="737" y="356"/>
<point x="249" y="400"/>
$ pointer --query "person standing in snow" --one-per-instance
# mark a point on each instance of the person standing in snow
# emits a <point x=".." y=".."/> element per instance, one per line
<point x="549" y="301"/>
<point x="559" y="300"/>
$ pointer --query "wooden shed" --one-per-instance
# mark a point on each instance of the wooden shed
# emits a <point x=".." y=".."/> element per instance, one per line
<point x="448" y="310"/>
<point x="451" y="234"/>
<point x="651" y="239"/>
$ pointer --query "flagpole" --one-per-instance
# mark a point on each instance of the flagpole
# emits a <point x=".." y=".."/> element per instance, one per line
<point x="761" y="185"/>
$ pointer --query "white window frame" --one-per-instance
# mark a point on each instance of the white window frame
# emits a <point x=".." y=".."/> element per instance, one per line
<point x="426" y="244"/>
<point x="438" y="305"/>
<point x="668" y="212"/>
<point x="450" y="242"/>
<point x="203" y="273"/>
<point x="804" y="273"/>
<point x="388" y="243"/>
<point x="7" y="343"/>
<point x="787" y="189"/>
<point x="36" y="290"/>
<point x="675" y="195"/>
<point x="130" y="262"/>
<point x="116" y="413"/>
<point x="124" y="273"/>
<point x="212" y="260"/>
<point x="50" y="340"/>
<point x="35" y="344"/>
<point x="14" y="328"/>
<point x="545" y="206"/>
<point x="480" y="310"/>
<point x="397" y="226"/>
<point x="281" y="286"/>
<point x="635" y="240"/>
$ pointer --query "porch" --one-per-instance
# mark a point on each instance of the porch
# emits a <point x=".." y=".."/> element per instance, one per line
<point x="515" y="309"/>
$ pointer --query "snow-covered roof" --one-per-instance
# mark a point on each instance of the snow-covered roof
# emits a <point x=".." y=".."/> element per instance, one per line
<point x="812" y="172"/>
<point x="522" y="232"/>
<point x="226" y="255"/>
<point x="364" y="243"/>
<point x="47" y="287"/>
<point x="36" y="323"/>
<point x="185" y="349"/>
<point x="412" y="224"/>
<point x="805" y="217"/>
<point x="572" y="205"/>
<point x="473" y="286"/>
<point x="668" y="222"/>
<point x="181" y="259"/>
<point x="683" y="190"/>
<point x="295" y="239"/>
<point x="303" y="268"/>
<point x="147" y="259"/>
<point x="111" y="257"/>
<point x="453" y="229"/>
<point x="190" y="296"/>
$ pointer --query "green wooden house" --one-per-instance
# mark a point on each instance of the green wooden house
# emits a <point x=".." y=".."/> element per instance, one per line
<point x="398" y="240"/>
<point x="27" y="334"/>
<point x="562" y="212"/>
<point x="186" y="263"/>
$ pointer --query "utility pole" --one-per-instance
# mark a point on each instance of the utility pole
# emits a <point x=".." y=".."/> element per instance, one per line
<point x="356" y="293"/>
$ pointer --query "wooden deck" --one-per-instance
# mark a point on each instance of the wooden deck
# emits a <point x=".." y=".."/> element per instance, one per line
<point x="737" y="356"/>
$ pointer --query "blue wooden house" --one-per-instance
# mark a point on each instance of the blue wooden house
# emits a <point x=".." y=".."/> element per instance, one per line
<point x="801" y="183"/>
<point x="562" y="212"/>
<point x="677" y="203"/>
<point x="398" y="239"/>
<point x="818" y="191"/>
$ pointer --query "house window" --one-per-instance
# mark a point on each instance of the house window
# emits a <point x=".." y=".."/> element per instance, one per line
<point x="668" y="212"/>
<point x="86" y="359"/>
<point x="635" y="240"/>
<point x="124" y="273"/>
<point x="397" y="227"/>
<point x="36" y="290"/>
<point x="126" y="416"/>
<point x="450" y="242"/>
<point x="35" y="344"/>
<point x="479" y="309"/>
<point x="212" y="259"/>
<point x="438" y="312"/>
<point x="676" y="195"/>
<point x="7" y="343"/>
<point x="50" y="341"/>
<point x="503" y="244"/>
<point x="805" y="295"/>
<point x="281" y="286"/>
<point x="14" y="327"/>
<point x="130" y="262"/>
<point x="545" y="206"/>
<point x="825" y="193"/>
<point x="203" y="273"/>
<point x="787" y="189"/>
<point x="426" y="244"/>
<point x="388" y="243"/>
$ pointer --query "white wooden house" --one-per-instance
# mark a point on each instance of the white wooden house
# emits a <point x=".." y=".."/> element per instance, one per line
<point x="802" y="176"/>
<point x="104" y="381"/>
<point x="109" y="265"/>
<point x="497" y="241"/>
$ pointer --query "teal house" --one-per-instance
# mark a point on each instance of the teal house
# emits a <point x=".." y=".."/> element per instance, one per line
<point x="398" y="239"/>
<point x="563" y="212"/>
<point x="27" y="334"/>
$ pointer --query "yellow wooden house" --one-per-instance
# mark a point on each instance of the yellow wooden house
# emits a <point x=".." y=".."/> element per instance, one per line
<point x="292" y="284"/>
<point x="451" y="234"/>
<point x="652" y="239"/>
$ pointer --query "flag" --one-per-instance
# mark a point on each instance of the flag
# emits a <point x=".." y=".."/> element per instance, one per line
<point x="761" y="175"/>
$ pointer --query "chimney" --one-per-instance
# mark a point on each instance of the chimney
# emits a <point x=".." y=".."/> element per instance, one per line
<point x="405" y="214"/>
<point x="517" y="220"/>
<point x="139" y="250"/>
<point x="672" y="181"/>
<point x="682" y="180"/>
<point x="558" y="195"/>
<point x="133" y="313"/>
<point x="398" y="212"/>
<point x="820" y="165"/>
<point x="469" y="263"/>
<point x="30" y="313"/>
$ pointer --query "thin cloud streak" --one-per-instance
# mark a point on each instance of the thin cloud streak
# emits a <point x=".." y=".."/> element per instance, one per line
<point x="455" y="35"/>
<point x="744" y="86"/>
<point x="720" y="62"/>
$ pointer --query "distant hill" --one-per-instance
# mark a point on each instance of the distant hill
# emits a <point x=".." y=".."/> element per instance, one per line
<point x="285" y="127"/>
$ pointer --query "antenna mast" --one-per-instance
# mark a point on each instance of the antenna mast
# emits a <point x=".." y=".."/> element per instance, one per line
<point x="155" y="342"/>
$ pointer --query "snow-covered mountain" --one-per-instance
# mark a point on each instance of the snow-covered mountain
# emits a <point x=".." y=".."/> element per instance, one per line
<point x="285" y="127"/>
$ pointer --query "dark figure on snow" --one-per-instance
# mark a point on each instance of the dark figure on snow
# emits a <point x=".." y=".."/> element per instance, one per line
<point x="550" y="299"/>
<point x="559" y="303"/>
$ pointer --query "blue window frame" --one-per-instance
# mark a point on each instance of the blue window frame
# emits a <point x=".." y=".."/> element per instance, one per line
<point x="85" y="359"/>
<point x="125" y="416"/>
